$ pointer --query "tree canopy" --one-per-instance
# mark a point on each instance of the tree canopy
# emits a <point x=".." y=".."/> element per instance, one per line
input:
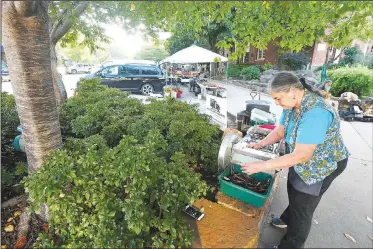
<point x="291" y="25"/>
<point x="154" y="54"/>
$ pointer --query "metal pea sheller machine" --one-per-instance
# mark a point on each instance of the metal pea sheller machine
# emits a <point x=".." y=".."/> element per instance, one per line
<point x="233" y="153"/>
<point x="234" y="150"/>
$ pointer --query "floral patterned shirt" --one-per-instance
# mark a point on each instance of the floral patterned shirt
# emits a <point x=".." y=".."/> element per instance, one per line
<point x="326" y="155"/>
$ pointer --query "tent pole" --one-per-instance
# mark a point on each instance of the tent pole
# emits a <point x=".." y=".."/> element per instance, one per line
<point x="210" y="70"/>
<point x="226" y="73"/>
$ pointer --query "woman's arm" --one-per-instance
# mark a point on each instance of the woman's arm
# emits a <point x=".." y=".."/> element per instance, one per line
<point x="311" y="132"/>
<point x="276" y="135"/>
<point x="301" y="154"/>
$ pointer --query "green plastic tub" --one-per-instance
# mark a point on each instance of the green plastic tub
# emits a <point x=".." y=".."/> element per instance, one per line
<point x="243" y="194"/>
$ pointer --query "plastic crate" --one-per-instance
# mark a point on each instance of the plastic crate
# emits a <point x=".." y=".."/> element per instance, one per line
<point x="243" y="194"/>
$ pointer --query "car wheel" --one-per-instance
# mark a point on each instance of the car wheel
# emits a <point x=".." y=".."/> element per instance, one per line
<point x="147" y="89"/>
<point x="74" y="71"/>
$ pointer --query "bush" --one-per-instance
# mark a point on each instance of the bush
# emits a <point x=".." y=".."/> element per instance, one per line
<point x="251" y="73"/>
<point x="234" y="71"/>
<point x="356" y="80"/>
<point x="13" y="164"/>
<point x="185" y="130"/>
<point x="125" y="173"/>
<point x="352" y="56"/>
<point x="267" y="66"/>
<point x="328" y="67"/>
<point x="93" y="98"/>
<point x="9" y="121"/>
<point x="110" y="113"/>
<point x="125" y="197"/>
<point x="293" y="61"/>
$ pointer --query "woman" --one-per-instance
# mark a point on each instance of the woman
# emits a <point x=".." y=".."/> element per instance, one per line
<point x="315" y="153"/>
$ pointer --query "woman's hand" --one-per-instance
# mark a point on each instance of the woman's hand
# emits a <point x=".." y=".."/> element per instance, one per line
<point x="252" y="168"/>
<point x="255" y="146"/>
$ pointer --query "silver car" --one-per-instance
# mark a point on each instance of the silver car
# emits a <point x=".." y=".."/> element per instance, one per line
<point x="79" y="68"/>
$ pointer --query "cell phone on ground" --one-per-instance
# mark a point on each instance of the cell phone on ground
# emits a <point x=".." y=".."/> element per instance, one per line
<point x="194" y="212"/>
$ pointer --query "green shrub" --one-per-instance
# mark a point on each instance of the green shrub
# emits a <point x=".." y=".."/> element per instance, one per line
<point x="267" y="66"/>
<point x="234" y="71"/>
<point x="13" y="164"/>
<point x="9" y="121"/>
<point x="91" y="94"/>
<point x="124" y="197"/>
<point x="124" y="174"/>
<point x="110" y="113"/>
<point x="185" y="130"/>
<point x="328" y="67"/>
<point x="356" y="80"/>
<point x="251" y="73"/>
<point x="293" y="61"/>
<point x="352" y="56"/>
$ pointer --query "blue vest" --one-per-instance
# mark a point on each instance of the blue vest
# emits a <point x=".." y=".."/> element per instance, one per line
<point x="326" y="155"/>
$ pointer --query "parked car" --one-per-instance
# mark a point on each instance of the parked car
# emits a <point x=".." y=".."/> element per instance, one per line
<point x="131" y="77"/>
<point x="79" y="68"/>
<point x="4" y="72"/>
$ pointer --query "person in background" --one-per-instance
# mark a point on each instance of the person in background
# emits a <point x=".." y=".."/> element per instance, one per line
<point x="325" y="86"/>
<point x="192" y="84"/>
<point x="315" y="153"/>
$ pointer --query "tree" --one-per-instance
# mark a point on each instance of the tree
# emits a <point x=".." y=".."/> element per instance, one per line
<point x="181" y="39"/>
<point x="352" y="56"/>
<point x="27" y="45"/>
<point x="66" y="23"/>
<point x="291" y="25"/>
<point x="154" y="54"/>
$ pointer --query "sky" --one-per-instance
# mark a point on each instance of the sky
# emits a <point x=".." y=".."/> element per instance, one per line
<point x="129" y="44"/>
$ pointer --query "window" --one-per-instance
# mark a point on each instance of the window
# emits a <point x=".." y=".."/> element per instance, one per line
<point x="260" y="54"/>
<point x="149" y="71"/>
<point x="110" y="71"/>
<point x="133" y="70"/>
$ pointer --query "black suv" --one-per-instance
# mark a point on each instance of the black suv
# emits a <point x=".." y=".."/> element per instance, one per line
<point x="131" y="77"/>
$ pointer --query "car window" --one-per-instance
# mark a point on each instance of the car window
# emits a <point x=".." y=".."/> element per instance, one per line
<point x="133" y="70"/>
<point x="123" y="70"/>
<point x="149" y="71"/>
<point x="110" y="71"/>
<point x="3" y="65"/>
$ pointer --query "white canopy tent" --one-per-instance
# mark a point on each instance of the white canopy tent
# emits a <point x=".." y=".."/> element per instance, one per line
<point x="194" y="54"/>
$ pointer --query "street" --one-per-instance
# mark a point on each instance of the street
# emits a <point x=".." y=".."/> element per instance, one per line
<point x="69" y="81"/>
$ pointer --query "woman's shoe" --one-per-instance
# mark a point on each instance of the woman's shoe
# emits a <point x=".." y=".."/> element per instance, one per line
<point x="277" y="222"/>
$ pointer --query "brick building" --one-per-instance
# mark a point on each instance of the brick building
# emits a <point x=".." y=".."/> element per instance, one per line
<point x="317" y="54"/>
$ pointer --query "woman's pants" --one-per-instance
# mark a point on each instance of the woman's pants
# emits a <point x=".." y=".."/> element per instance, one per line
<point x="298" y="215"/>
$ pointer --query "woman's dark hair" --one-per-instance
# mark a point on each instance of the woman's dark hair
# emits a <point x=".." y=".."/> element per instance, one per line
<point x="283" y="81"/>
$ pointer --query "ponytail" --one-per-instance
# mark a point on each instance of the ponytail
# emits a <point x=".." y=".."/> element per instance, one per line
<point x="311" y="88"/>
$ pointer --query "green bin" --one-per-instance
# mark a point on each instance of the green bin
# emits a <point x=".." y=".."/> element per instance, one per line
<point x="243" y="194"/>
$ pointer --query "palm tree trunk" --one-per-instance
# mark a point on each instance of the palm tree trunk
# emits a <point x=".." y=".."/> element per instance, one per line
<point x="27" y="45"/>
